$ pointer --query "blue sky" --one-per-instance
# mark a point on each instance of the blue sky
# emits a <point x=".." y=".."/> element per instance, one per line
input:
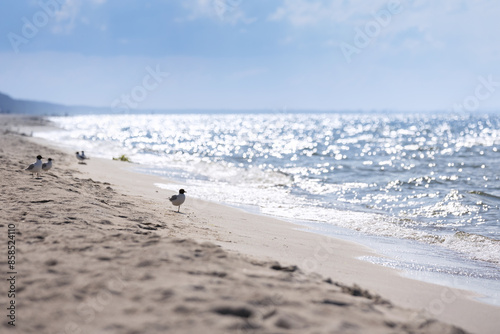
<point x="408" y="55"/>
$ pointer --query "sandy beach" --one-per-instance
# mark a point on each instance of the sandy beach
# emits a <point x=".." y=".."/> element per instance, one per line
<point x="99" y="249"/>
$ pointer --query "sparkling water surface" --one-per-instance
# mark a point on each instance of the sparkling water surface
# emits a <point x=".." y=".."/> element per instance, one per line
<point x="429" y="178"/>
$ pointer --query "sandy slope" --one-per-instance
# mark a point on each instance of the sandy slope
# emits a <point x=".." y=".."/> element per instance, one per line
<point x="105" y="255"/>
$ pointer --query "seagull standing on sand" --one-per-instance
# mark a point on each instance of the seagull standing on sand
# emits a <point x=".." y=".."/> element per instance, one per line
<point x="178" y="199"/>
<point x="35" y="167"/>
<point x="47" y="165"/>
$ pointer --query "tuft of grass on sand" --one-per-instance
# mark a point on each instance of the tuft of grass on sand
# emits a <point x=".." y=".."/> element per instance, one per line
<point x="123" y="157"/>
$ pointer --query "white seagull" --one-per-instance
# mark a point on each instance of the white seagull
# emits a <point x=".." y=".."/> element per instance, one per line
<point x="47" y="165"/>
<point x="35" y="167"/>
<point x="177" y="200"/>
<point x="80" y="157"/>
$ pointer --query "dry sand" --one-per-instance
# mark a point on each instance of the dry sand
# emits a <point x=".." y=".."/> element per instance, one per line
<point x="100" y="250"/>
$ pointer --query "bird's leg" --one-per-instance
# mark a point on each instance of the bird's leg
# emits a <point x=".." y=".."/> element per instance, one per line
<point x="179" y="208"/>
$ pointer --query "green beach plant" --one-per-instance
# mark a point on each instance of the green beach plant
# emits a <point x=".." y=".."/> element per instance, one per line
<point x="123" y="157"/>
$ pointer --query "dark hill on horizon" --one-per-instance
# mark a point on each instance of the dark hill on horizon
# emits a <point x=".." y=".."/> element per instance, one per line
<point x="29" y="107"/>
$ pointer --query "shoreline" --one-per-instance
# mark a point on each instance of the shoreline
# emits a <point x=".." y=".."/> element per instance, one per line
<point x="244" y="235"/>
<point x="452" y="270"/>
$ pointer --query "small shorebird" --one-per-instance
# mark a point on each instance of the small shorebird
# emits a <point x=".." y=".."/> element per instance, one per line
<point x="35" y="167"/>
<point x="80" y="157"/>
<point x="178" y="199"/>
<point x="47" y="165"/>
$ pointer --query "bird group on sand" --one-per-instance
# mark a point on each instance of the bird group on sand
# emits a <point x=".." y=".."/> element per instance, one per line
<point x="81" y="157"/>
<point x="38" y="166"/>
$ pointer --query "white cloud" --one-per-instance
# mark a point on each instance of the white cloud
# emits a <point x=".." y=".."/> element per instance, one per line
<point x="305" y="13"/>
<point x="300" y="12"/>
<point x="66" y="16"/>
<point x="229" y="11"/>
<point x="419" y="25"/>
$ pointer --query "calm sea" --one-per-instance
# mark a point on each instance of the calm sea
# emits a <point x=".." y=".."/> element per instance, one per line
<point x="422" y="189"/>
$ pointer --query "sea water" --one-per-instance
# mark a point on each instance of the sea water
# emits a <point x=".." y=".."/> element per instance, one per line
<point x="421" y="189"/>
